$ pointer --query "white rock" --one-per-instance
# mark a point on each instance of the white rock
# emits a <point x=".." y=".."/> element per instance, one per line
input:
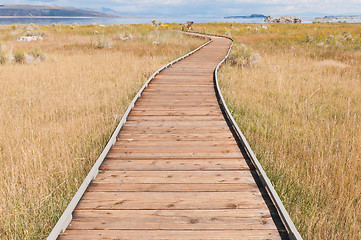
<point x="283" y="19"/>
<point x="29" y="38"/>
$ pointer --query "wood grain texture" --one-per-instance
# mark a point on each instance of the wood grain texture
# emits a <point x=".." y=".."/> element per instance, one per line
<point x="176" y="171"/>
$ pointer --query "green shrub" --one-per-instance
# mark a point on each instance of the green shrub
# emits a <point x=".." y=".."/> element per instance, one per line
<point x="240" y="54"/>
<point x="102" y="43"/>
<point x="3" y="58"/>
<point x="37" y="53"/>
<point x="19" y="56"/>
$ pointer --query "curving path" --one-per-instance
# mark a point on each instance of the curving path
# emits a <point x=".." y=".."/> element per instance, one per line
<point x="176" y="171"/>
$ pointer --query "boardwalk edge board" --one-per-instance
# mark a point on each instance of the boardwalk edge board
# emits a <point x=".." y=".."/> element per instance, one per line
<point x="286" y="219"/>
<point x="66" y="217"/>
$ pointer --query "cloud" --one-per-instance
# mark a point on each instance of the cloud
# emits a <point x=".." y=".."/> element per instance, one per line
<point x="37" y="2"/>
<point x="209" y="8"/>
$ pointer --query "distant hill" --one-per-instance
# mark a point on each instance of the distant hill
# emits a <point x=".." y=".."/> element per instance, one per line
<point x="48" y="11"/>
<point x="343" y="16"/>
<point x="248" y="17"/>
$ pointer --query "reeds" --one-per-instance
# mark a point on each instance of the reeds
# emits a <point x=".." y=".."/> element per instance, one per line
<point x="300" y="111"/>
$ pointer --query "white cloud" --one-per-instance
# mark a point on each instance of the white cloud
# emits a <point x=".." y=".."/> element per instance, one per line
<point x="212" y="7"/>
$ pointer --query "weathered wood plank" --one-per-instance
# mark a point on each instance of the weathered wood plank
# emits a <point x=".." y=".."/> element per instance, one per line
<point x="176" y="123"/>
<point x="255" y="219"/>
<point x="232" y="214"/>
<point x="171" y="200"/>
<point x="172" y="187"/>
<point x="176" y="144"/>
<point x="175" y="165"/>
<point x="170" y="234"/>
<point x="175" y="177"/>
<point x="174" y="118"/>
<point x="174" y="149"/>
<point x="177" y="137"/>
<point x="176" y="113"/>
<point x="171" y="155"/>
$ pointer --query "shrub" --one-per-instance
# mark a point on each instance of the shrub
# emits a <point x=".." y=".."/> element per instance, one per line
<point x="37" y="53"/>
<point x="102" y="43"/>
<point x="19" y="56"/>
<point x="240" y="55"/>
<point x="3" y="58"/>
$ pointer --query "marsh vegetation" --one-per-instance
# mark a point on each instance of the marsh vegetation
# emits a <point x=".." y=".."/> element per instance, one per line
<point x="299" y="108"/>
<point x="58" y="112"/>
<point x="294" y="90"/>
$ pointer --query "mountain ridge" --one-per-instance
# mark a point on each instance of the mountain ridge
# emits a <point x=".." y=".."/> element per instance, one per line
<point x="248" y="17"/>
<point x="49" y="11"/>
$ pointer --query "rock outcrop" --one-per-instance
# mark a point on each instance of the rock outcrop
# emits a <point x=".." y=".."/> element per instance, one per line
<point x="283" y="19"/>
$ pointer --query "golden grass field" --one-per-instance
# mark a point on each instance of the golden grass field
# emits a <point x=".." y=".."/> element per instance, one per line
<point x="299" y="106"/>
<point x="297" y="101"/>
<point x="58" y="109"/>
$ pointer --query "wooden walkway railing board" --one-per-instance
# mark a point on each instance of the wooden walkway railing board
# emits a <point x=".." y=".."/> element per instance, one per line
<point x="176" y="172"/>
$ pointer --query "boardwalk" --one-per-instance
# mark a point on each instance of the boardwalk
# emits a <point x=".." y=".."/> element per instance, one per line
<point x="176" y="171"/>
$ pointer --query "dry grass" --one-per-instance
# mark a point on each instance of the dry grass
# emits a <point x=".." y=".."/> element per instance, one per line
<point x="300" y="111"/>
<point x="56" y="115"/>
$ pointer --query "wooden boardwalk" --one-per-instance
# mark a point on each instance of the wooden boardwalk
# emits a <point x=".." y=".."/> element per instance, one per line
<point x="176" y="171"/>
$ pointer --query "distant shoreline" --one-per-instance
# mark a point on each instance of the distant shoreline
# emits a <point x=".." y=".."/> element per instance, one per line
<point x="46" y="17"/>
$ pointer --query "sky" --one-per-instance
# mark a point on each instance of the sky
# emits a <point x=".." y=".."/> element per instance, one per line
<point x="210" y="8"/>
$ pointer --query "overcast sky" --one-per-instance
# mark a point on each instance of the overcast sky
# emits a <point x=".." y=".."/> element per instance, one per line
<point x="216" y="8"/>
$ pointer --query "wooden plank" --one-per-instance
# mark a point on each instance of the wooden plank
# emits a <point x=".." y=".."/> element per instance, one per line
<point x="170" y="127"/>
<point x="179" y="97"/>
<point x="175" y="165"/>
<point x="174" y="144"/>
<point x="207" y="215"/>
<point x="132" y="147"/>
<point x="171" y="234"/>
<point x="161" y="132"/>
<point x="187" y="150"/>
<point x="195" y="91"/>
<point x="196" y="95"/>
<point x="176" y="123"/>
<point x="170" y="143"/>
<point x="189" y="77"/>
<point x="177" y="104"/>
<point x="182" y="84"/>
<point x="176" y="113"/>
<point x="172" y="131"/>
<point x="177" y="108"/>
<point x="183" y="80"/>
<point x="175" y="177"/>
<point x="195" y="74"/>
<point x="180" y="78"/>
<point x="172" y="187"/>
<point x="159" y="101"/>
<point x="200" y="151"/>
<point x="181" y="88"/>
<point x="173" y="220"/>
<point x="176" y="137"/>
<point x="171" y="200"/>
<point x="170" y="155"/>
<point x="174" y="118"/>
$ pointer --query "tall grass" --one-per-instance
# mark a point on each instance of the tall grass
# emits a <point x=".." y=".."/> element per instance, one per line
<point x="57" y="115"/>
<point x="300" y="111"/>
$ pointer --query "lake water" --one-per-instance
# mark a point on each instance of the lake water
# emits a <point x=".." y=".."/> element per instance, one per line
<point x="127" y="20"/>
<point x="138" y="20"/>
